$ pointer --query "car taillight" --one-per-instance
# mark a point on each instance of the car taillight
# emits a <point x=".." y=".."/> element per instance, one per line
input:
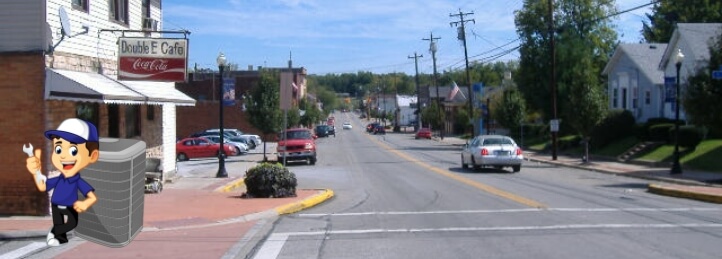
<point x="518" y="151"/>
<point x="484" y="152"/>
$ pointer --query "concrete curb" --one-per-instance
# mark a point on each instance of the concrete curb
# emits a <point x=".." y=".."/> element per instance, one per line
<point x="305" y="204"/>
<point x="676" y="192"/>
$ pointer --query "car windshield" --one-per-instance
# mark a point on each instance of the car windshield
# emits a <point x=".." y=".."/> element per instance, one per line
<point x="496" y="141"/>
<point x="298" y="134"/>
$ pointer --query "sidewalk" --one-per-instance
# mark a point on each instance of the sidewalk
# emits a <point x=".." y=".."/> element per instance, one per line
<point x="201" y="217"/>
<point x="691" y="184"/>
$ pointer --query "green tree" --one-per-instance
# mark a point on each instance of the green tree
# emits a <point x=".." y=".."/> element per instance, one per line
<point x="293" y="118"/>
<point x="264" y="108"/>
<point x="667" y="13"/>
<point x="312" y="114"/>
<point x="431" y="115"/>
<point x="510" y="112"/>
<point x="584" y="40"/>
<point x="701" y="100"/>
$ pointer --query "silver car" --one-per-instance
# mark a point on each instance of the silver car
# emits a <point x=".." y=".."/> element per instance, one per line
<point x="241" y="148"/>
<point x="494" y="151"/>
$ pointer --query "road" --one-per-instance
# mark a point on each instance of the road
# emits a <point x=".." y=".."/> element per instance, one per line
<point x="397" y="197"/>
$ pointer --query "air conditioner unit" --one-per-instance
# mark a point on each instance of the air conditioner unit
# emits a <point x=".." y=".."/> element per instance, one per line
<point x="150" y="24"/>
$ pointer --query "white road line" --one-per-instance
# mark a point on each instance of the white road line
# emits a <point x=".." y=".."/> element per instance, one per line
<point x="20" y="252"/>
<point x="271" y="247"/>
<point x="513" y="211"/>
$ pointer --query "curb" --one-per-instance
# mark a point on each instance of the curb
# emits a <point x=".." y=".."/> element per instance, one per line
<point x="232" y="185"/>
<point x="676" y="192"/>
<point x="305" y="204"/>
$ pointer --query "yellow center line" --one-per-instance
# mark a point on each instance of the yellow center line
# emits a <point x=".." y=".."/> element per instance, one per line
<point x="475" y="184"/>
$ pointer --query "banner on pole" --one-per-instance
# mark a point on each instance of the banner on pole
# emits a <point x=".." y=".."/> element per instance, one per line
<point x="229" y="91"/>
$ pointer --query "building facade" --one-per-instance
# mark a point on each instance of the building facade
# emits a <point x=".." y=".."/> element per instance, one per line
<point x="58" y="60"/>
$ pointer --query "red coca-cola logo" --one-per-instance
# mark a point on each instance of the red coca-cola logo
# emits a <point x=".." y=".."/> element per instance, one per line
<point x="150" y="65"/>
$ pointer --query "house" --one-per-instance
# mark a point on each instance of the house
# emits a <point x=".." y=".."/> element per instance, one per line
<point x="634" y="81"/>
<point x="58" y="60"/>
<point x="406" y="112"/>
<point x="642" y="77"/>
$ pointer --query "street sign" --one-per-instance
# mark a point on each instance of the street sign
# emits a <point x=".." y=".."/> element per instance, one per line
<point x="554" y="124"/>
<point x="717" y="74"/>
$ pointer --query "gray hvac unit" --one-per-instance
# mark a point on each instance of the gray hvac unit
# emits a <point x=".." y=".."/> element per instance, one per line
<point x="118" y="178"/>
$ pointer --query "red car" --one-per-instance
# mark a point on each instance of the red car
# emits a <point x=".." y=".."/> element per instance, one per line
<point x="188" y="148"/>
<point x="298" y="144"/>
<point x="423" y="133"/>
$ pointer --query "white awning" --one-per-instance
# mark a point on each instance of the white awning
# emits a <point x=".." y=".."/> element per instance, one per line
<point x="93" y="87"/>
<point x="87" y="87"/>
<point x="159" y="93"/>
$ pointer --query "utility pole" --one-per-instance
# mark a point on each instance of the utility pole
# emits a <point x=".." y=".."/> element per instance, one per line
<point x="462" y="37"/>
<point x="552" y="80"/>
<point x="432" y="48"/>
<point x="418" y="98"/>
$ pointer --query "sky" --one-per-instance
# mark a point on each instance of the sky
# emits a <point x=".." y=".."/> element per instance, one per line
<point x="348" y="36"/>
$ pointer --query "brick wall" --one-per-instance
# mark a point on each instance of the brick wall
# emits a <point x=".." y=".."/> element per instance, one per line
<point x="21" y="122"/>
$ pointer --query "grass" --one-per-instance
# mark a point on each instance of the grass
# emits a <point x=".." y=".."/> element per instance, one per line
<point x="705" y="157"/>
<point x="616" y="148"/>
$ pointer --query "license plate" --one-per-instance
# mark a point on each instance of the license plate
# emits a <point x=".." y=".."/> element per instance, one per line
<point x="502" y="153"/>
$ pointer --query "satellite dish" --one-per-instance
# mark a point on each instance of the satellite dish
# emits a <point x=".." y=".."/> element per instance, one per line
<point x="64" y="22"/>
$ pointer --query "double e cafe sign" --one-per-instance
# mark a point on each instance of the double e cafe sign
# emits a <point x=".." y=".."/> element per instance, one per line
<point x="152" y="59"/>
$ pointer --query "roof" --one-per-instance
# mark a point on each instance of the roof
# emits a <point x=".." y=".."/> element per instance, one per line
<point x="697" y="37"/>
<point x="644" y="56"/>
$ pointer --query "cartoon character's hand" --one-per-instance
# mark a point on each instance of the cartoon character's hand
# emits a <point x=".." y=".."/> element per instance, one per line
<point x="33" y="163"/>
<point x="80" y="206"/>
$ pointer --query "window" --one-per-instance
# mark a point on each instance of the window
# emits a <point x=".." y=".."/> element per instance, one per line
<point x="87" y="112"/>
<point x="81" y="5"/>
<point x="150" y="113"/>
<point x="647" y="97"/>
<point x="635" y="97"/>
<point x="624" y="98"/>
<point x="614" y="98"/>
<point x="132" y="121"/>
<point x="119" y="11"/>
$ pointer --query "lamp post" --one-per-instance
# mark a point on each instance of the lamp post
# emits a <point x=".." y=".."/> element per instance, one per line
<point x="221" y="60"/>
<point x="676" y="167"/>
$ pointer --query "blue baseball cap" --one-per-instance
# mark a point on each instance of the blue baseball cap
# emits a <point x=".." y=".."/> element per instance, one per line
<point x="75" y="130"/>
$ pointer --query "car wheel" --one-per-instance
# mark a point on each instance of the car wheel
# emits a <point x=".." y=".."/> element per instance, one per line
<point x="238" y="151"/>
<point x="516" y="168"/>
<point x="463" y="164"/>
<point x="182" y="157"/>
<point x="473" y="163"/>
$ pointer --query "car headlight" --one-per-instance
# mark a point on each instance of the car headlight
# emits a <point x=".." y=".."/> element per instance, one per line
<point x="308" y="146"/>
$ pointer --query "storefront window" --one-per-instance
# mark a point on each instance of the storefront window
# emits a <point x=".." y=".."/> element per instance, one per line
<point x="87" y="112"/>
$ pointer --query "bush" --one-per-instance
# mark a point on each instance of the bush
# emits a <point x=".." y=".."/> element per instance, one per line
<point x="689" y="136"/>
<point x="569" y="142"/>
<point x="644" y="131"/>
<point x="618" y="124"/>
<point x="660" y="132"/>
<point x="270" y="180"/>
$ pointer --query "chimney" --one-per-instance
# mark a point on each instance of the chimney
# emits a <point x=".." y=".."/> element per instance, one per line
<point x="250" y="67"/>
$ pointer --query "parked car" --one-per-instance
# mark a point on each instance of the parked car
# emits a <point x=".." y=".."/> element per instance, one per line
<point x="240" y="134"/>
<point x="371" y="126"/>
<point x="379" y="130"/>
<point x="241" y="148"/>
<point x="298" y="144"/>
<point x="227" y="135"/>
<point x="423" y="133"/>
<point x="323" y="131"/>
<point x="189" y="148"/>
<point x="347" y="125"/>
<point x="492" y="151"/>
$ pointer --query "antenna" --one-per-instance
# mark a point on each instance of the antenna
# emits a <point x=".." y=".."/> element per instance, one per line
<point x="65" y="28"/>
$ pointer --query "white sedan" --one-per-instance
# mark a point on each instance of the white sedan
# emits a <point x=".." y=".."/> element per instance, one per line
<point x="347" y="125"/>
<point x="492" y="151"/>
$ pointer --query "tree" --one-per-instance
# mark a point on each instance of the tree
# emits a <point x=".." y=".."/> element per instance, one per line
<point x="667" y="13"/>
<point x="293" y="118"/>
<point x="584" y="40"/>
<point x="511" y="109"/>
<point x="312" y="114"/>
<point x="432" y="116"/>
<point x="590" y="107"/>
<point x="264" y="109"/>
<point x="701" y="100"/>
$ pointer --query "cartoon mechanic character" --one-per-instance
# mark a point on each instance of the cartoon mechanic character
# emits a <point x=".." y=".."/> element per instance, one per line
<point x="74" y="146"/>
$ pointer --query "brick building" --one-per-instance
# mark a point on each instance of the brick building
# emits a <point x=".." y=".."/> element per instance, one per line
<point x="47" y="76"/>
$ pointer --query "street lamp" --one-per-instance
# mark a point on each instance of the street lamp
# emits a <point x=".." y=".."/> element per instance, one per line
<point x="676" y="167"/>
<point x="221" y="60"/>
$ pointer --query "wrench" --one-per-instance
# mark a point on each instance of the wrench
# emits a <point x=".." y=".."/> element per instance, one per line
<point x="38" y="175"/>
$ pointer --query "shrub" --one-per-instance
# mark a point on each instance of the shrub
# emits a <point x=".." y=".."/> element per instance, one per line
<point x="569" y="142"/>
<point x="270" y="180"/>
<point x="644" y="131"/>
<point x="660" y="132"/>
<point x="618" y="124"/>
<point x="689" y="136"/>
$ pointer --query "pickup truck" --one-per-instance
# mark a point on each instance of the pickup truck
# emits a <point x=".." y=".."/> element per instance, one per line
<point x="298" y="145"/>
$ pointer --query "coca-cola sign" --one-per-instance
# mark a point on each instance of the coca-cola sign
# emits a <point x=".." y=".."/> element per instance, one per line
<point x="152" y="59"/>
